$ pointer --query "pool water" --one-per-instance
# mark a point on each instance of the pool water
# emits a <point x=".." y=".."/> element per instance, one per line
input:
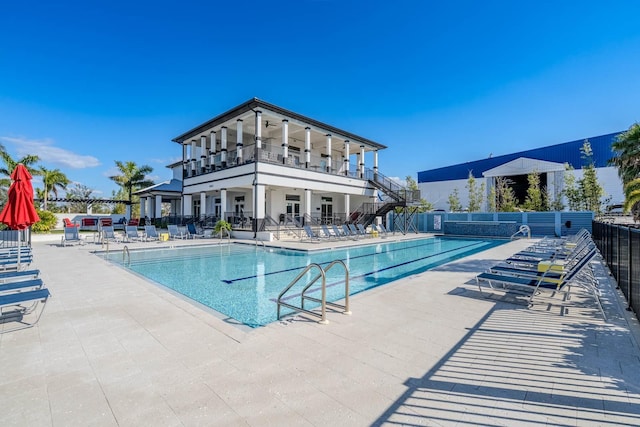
<point x="244" y="281"/>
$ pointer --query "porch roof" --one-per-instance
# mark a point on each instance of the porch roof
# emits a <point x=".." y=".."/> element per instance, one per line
<point x="256" y="103"/>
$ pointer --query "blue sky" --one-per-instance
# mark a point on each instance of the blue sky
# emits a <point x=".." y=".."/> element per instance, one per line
<point x="83" y="84"/>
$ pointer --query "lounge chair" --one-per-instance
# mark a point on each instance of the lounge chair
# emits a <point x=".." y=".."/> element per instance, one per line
<point x="15" y="276"/>
<point x="15" y="306"/>
<point x="21" y="285"/>
<point x="71" y="235"/>
<point x="192" y="232"/>
<point x="354" y="231"/>
<point x="338" y="233"/>
<point x="362" y="230"/>
<point x="550" y="279"/>
<point x="327" y="233"/>
<point x="175" y="232"/>
<point x="131" y="233"/>
<point x="150" y="233"/>
<point x="133" y="222"/>
<point x="348" y="233"/>
<point x="310" y="234"/>
<point x="109" y="234"/>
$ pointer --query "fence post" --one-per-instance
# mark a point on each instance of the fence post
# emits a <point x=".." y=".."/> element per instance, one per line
<point x="618" y="252"/>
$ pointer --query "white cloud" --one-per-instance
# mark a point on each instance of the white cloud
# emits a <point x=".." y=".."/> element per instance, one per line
<point x="49" y="153"/>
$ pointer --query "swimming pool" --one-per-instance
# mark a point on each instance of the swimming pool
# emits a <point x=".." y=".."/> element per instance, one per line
<point x="243" y="281"/>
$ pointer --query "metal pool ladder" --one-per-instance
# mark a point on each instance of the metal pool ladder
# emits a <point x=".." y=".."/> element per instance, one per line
<point x="323" y="300"/>
<point x="126" y="255"/>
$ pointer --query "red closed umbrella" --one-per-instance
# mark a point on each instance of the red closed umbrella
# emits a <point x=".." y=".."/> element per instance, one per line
<point x="19" y="212"/>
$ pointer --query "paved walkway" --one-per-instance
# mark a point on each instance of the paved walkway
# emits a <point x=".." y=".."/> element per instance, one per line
<point x="114" y="350"/>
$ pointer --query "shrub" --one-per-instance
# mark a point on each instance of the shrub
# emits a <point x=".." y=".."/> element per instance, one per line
<point x="47" y="222"/>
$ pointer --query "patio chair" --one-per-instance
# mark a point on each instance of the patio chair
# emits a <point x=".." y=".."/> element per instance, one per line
<point x="310" y="235"/>
<point x="67" y="223"/>
<point x="71" y="235"/>
<point x="89" y="224"/>
<point x="150" y="233"/>
<point x="131" y="233"/>
<point x="21" y="285"/>
<point x="362" y="230"/>
<point x="552" y="280"/>
<point x="338" y="233"/>
<point x="175" y="232"/>
<point x="15" y="276"/>
<point x="327" y="233"/>
<point x="348" y="233"/>
<point x="109" y="234"/>
<point x="192" y="232"/>
<point x="15" y="306"/>
<point x="354" y="231"/>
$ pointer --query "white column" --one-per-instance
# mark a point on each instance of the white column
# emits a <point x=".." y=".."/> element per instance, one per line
<point x="307" y="202"/>
<point x="127" y="211"/>
<point x="223" y="203"/>
<point x="347" y="205"/>
<point x="346" y="158"/>
<point x="203" y="203"/>
<point x="149" y="207"/>
<point x="258" y="130"/>
<point x="212" y="150"/>
<point x="362" y="161"/>
<point x="307" y="147"/>
<point x="223" y="147"/>
<point x="285" y="140"/>
<point x="158" y="207"/>
<point x="203" y="152"/>
<point x="187" y="204"/>
<point x="260" y="198"/>
<point x="185" y="160"/>
<point x="143" y="206"/>
<point x="375" y="162"/>
<point x="239" y="143"/>
<point x="329" y="152"/>
<point x="193" y="156"/>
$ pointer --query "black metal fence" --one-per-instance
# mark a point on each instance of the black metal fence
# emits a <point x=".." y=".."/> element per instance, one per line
<point x="620" y="247"/>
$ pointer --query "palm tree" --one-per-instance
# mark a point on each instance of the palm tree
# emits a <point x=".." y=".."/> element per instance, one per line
<point x="631" y="194"/>
<point x="132" y="178"/>
<point x="10" y="164"/>
<point x="627" y="148"/>
<point x="53" y="180"/>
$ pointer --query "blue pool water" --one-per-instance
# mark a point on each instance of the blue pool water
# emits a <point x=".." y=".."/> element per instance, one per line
<point x="243" y="281"/>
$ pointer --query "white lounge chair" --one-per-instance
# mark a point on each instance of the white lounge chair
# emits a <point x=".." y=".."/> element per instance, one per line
<point x="150" y="233"/>
<point x="175" y="232"/>
<point x="71" y="235"/>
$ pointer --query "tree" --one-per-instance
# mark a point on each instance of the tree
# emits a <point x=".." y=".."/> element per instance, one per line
<point x="81" y="193"/>
<point x="132" y="178"/>
<point x="10" y="164"/>
<point x="627" y="158"/>
<point x="476" y="195"/>
<point x="536" y="196"/>
<point x="412" y="185"/>
<point x="592" y="191"/>
<point x="502" y="196"/>
<point x="571" y="190"/>
<point x="454" y="201"/>
<point x="631" y="195"/>
<point x="52" y="180"/>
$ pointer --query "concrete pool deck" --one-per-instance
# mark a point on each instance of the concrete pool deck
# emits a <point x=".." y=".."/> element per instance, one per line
<point x="113" y="349"/>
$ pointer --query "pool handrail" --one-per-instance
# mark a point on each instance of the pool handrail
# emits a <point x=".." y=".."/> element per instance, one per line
<point x="323" y="315"/>
<point x="345" y="307"/>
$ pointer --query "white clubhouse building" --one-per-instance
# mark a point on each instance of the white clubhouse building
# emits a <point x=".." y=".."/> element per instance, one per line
<point x="261" y="162"/>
